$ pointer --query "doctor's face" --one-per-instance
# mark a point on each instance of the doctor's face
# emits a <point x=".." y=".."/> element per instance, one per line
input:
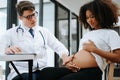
<point x="29" y="18"/>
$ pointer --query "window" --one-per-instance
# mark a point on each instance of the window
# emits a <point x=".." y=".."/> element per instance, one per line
<point x="3" y="27"/>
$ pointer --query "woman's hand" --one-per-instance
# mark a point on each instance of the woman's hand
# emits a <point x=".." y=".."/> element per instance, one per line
<point x="90" y="46"/>
<point x="12" y="50"/>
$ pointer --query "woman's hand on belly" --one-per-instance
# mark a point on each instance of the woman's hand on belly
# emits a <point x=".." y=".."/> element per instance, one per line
<point x="90" y="46"/>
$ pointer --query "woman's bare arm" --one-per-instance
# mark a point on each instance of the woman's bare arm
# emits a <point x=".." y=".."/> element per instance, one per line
<point x="113" y="56"/>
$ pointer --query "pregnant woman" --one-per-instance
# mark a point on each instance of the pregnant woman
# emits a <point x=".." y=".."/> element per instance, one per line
<point x="97" y="46"/>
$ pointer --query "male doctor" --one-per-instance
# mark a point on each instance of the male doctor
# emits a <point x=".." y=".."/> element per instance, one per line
<point x="30" y="38"/>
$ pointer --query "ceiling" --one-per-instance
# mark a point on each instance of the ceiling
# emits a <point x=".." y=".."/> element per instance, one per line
<point x="74" y="5"/>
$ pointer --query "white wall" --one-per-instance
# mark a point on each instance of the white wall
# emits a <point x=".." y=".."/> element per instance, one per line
<point x="74" y="5"/>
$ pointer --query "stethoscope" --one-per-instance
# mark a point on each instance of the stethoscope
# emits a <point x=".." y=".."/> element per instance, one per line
<point x="19" y="29"/>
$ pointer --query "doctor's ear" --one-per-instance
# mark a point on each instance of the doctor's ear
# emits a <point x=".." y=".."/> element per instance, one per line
<point x="20" y="17"/>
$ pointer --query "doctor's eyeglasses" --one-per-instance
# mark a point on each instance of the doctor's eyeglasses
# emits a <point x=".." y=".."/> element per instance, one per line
<point x="35" y="14"/>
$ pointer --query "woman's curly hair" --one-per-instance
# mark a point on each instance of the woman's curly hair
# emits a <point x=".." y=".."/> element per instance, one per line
<point x="106" y="13"/>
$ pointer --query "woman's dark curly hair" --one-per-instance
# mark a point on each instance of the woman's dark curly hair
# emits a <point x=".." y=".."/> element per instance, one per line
<point x="105" y="13"/>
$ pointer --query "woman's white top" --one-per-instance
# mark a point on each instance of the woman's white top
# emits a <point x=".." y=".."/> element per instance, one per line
<point x="104" y="39"/>
<point x="23" y="39"/>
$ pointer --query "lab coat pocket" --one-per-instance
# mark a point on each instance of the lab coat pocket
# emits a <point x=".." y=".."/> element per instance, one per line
<point x="18" y="42"/>
<point x="41" y="52"/>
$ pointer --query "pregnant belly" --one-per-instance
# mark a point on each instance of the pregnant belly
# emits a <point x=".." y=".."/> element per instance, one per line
<point x="84" y="59"/>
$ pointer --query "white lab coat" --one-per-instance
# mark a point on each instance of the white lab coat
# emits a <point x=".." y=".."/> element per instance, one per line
<point x="28" y="44"/>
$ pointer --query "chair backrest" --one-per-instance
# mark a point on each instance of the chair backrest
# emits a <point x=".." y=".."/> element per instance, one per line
<point x="111" y="72"/>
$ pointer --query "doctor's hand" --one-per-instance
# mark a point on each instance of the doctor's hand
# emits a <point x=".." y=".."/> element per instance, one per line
<point x="67" y="59"/>
<point x="67" y="62"/>
<point x="12" y="50"/>
<point x="70" y="65"/>
<point x="89" y="46"/>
